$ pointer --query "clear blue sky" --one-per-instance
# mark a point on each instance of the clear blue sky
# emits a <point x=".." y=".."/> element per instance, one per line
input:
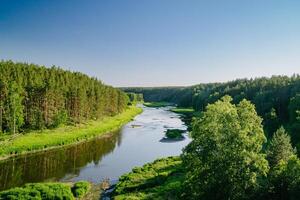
<point x="155" y="42"/>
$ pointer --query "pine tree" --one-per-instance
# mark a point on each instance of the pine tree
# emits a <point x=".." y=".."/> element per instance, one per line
<point x="280" y="148"/>
<point x="15" y="108"/>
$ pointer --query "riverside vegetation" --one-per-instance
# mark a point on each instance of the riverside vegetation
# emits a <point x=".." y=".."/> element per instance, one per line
<point x="43" y="108"/>
<point x="47" y="107"/>
<point x="277" y="99"/>
<point x="47" y="191"/>
<point x="225" y="160"/>
<point x="38" y="140"/>
<point x="35" y="97"/>
<point x="174" y="134"/>
<point x="235" y="154"/>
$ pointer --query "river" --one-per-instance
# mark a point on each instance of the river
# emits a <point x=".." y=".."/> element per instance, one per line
<point x="109" y="156"/>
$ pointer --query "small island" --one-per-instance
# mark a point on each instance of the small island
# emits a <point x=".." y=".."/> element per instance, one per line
<point x="173" y="135"/>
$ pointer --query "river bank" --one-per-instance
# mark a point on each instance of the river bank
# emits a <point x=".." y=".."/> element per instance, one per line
<point x="161" y="179"/>
<point x="67" y="135"/>
<point x="106" y="157"/>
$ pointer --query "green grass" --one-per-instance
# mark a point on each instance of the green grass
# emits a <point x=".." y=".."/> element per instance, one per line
<point x="47" y="191"/>
<point x="80" y="188"/>
<point x="161" y="179"/>
<point x="183" y="110"/>
<point x="187" y="115"/>
<point x="39" y="140"/>
<point x="157" y="104"/>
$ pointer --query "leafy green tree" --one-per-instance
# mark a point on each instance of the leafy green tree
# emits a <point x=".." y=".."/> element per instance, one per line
<point x="38" y="120"/>
<point x="3" y="93"/>
<point x="294" y="115"/>
<point x="60" y="118"/>
<point x="224" y="160"/>
<point x="15" y="108"/>
<point x="284" y="180"/>
<point x="279" y="148"/>
<point x="271" y="122"/>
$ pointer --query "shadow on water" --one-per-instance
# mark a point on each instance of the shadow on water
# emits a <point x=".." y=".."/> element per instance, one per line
<point x="54" y="164"/>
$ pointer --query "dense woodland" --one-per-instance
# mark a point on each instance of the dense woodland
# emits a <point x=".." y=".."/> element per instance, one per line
<point x="36" y="97"/>
<point x="229" y="158"/>
<point x="277" y="99"/>
<point x="179" y="95"/>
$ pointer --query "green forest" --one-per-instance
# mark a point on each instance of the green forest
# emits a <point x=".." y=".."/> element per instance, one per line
<point x="276" y="99"/>
<point x="229" y="158"/>
<point x="245" y="133"/>
<point x="34" y="97"/>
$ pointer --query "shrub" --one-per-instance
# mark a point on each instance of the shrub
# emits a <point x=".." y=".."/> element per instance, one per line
<point x="39" y="191"/>
<point x="174" y="133"/>
<point x="57" y="191"/>
<point x="80" y="188"/>
<point x="20" y="194"/>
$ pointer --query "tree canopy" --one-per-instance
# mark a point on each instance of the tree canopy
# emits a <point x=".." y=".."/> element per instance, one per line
<point x="36" y="97"/>
<point x="279" y="148"/>
<point x="224" y="160"/>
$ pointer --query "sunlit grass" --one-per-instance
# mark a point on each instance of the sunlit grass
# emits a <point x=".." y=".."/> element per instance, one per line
<point x="160" y="179"/>
<point x="183" y="110"/>
<point x="157" y="104"/>
<point x="38" y="191"/>
<point x="38" y="140"/>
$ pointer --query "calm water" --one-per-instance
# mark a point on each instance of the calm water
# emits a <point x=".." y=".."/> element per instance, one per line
<point x="135" y="144"/>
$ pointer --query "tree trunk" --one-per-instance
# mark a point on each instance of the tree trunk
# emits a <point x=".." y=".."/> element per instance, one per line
<point x="14" y="116"/>
<point x="1" y="119"/>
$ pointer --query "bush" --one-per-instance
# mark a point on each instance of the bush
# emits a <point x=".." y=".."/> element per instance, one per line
<point x="174" y="133"/>
<point x="39" y="191"/>
<point x="59" y="119"/>
<point x="20" y="194"/>
<point x="57" y="191"/>
<point x="80" y="188"/>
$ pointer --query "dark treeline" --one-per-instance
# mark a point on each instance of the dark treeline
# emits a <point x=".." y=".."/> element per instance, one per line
<point x="277" y="99"/>
<point x="135" y="97"/>
<point x="179" y="95"/>
<point x="36" y="97"/>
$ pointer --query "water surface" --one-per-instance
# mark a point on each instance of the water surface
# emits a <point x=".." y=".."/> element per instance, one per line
<point x="109" y="156"/>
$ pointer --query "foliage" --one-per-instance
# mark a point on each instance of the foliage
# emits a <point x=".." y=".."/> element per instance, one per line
<point x="65" y="135"/>
<point x="36" y="97"/>
<point x="133" y="97"/>
<point x="174" y="133"/>
<point x="279" y="148"/>
<point x="277" y="99"/>
<point x="181" y="96"/>
<point x="284" y="180"/>
<point x="14" y="108"/>
<point x="80" y="188"/>
<point x="224" y="160"/>
<point x="158" y="180"/>
<point x="39" y="191"/>
<point x="60" y="118"/>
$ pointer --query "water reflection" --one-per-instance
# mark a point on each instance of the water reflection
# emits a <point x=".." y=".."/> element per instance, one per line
<point x="107" y="157"/>
<point x="55" y="164"/>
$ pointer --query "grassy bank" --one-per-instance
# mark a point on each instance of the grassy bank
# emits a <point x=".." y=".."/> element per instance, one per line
<point x="39" y="140"/>
<point x="181" y="110"/>
<point x="47" y="191"/>
<point x="157" y="104"/>
<point x="161" y="179"/>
